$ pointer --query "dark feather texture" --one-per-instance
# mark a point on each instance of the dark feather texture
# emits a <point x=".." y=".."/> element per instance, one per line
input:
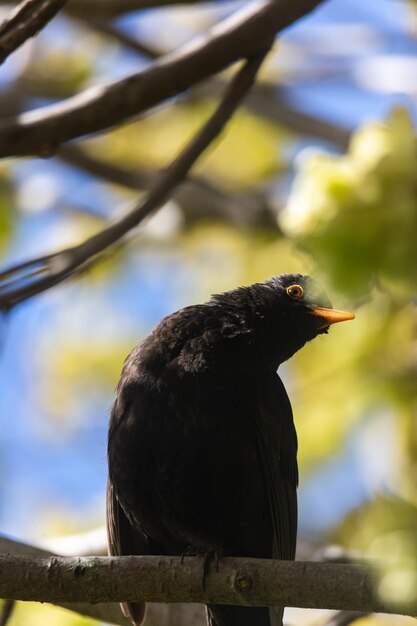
<point x="202" y="446"/>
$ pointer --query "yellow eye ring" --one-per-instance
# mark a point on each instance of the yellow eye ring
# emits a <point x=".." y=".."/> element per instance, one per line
<point x="295" y="292"/>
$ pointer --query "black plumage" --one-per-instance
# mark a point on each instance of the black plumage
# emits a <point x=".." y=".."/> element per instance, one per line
<point x="202" y="446"/>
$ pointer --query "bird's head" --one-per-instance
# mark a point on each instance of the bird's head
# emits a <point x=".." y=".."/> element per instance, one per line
<point x="284" y="312"/>
<point x="297" y="309"/>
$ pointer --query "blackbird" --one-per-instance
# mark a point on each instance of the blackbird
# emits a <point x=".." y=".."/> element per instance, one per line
<point x="202" y="448"/>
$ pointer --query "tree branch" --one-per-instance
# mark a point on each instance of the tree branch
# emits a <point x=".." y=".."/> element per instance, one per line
<point x="197" y="197"/>
<point x="271" y="102"/>
<point x="32" y="277"/>
<point x="132" y="43"/>
<point x="25" y="21"/>
<point x="248" y="582"/>
<point x="266" y="100"/>
<point x="108" y="612"/>
<point x="241" y="35"/>
<point x="156" y="614"/>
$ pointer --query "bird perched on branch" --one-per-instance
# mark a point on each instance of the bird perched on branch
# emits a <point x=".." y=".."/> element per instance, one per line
<point x="202" y="447"/>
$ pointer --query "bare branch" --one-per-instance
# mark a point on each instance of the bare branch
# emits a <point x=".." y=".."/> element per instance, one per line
<point x="160" y="614"/>
<point x="197" y="197"/>
<point x="243" y="34"/>
<point x="156" y="614"/>
<point x="266" y="100"/>
<point x="249" y="582"/>
<point x="25" y="21"/>
<point x="106" y="28"/>
<point x="32" y="277"/>
<point x="108" y="612"/>
<point x="132" y="177"/>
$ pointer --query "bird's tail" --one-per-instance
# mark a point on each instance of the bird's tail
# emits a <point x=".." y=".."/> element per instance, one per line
<point x="124" y="539"/>
<point x="223" y="615"/>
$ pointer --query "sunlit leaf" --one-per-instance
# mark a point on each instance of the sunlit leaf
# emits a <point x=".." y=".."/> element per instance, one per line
<point x="357" y="214"/>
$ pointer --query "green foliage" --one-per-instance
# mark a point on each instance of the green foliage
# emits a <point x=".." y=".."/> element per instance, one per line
<point x="357" y="213"/>
<point x="385" y="531"/>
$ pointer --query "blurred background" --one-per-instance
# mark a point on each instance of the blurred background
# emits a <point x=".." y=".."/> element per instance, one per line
<point x="317" y="174"/>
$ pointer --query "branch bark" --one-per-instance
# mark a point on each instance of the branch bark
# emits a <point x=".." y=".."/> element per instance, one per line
<point x="41" y="132"/>
<point x="156" y="614"/>
<point x="25" y="21"/>
<point x="108" y="612"/>
<point x="249" y="582"/>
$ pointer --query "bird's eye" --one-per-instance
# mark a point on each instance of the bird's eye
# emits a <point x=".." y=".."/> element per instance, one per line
<point x="295" y="292"/>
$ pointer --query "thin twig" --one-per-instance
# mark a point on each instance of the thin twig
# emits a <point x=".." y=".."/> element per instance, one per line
<point x="57" y="267"/>
<point x="131" y="177"/>
<point x="199" y="199"/>
<point x="271" y="103"/>
<point x="241" y="35"/>
<point x="106" y="28"/>
<point x="25" y="21"/>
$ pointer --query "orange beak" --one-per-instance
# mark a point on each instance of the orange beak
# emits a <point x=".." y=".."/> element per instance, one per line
<point x="331" y="316"/>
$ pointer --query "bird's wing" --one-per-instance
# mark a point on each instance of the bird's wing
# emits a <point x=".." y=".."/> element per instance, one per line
<point x="277" y="442"/>
<point x="123" y="539"/>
